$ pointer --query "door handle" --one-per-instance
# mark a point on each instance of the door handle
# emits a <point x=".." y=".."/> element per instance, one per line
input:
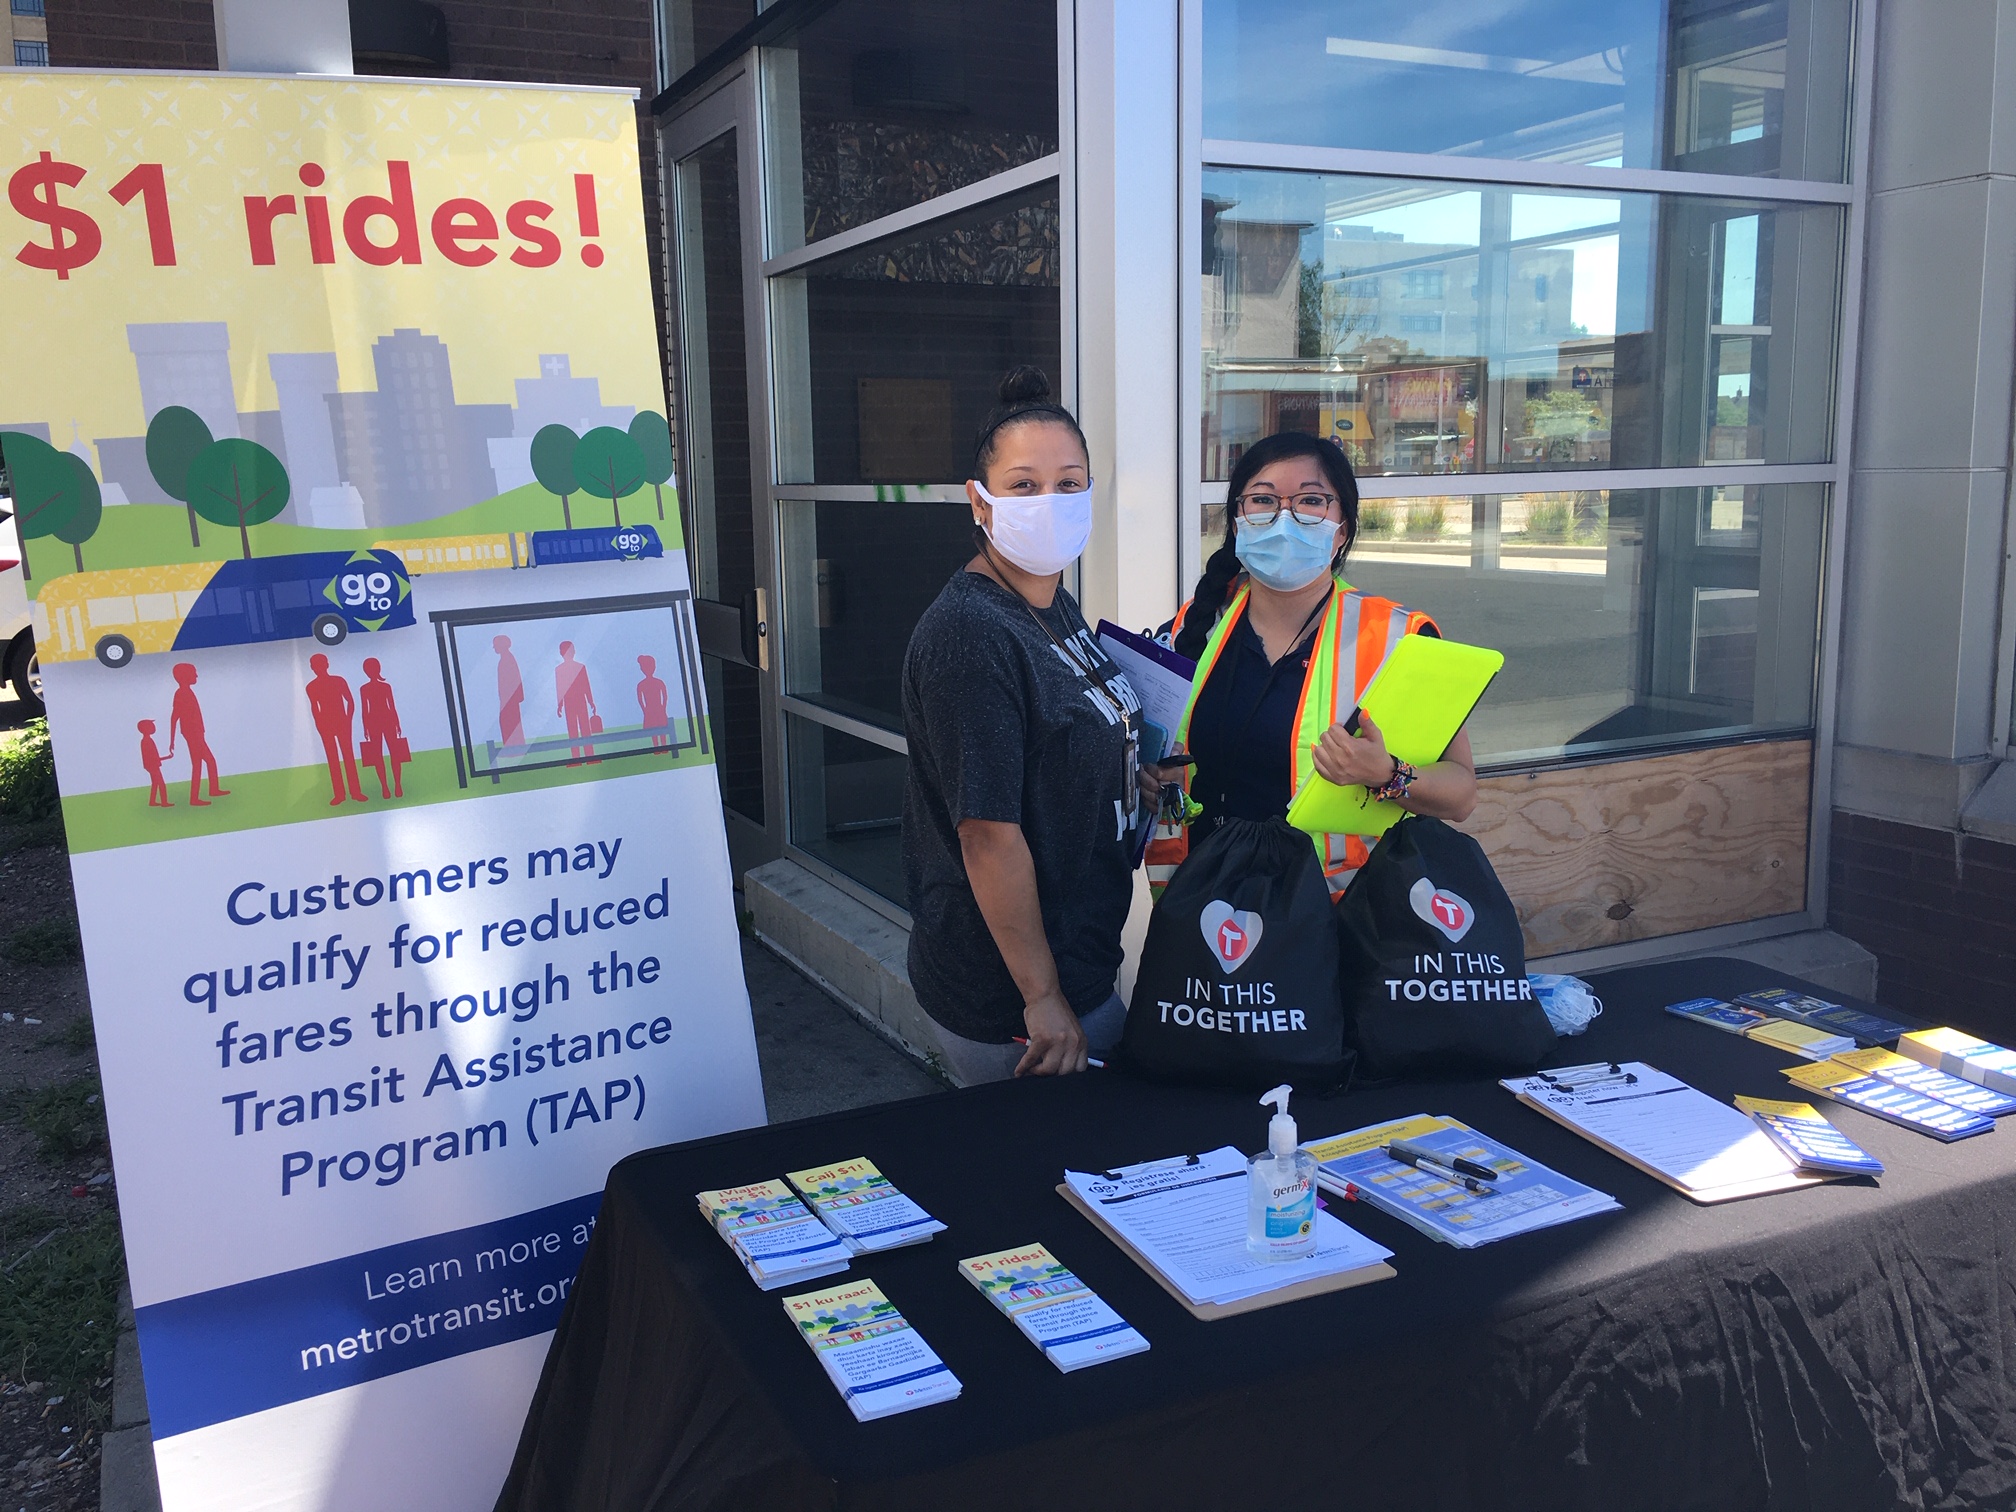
<point x="756" y="629"/>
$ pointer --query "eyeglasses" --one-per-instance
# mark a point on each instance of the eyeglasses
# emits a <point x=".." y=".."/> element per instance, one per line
<point x="1306" y="508"/>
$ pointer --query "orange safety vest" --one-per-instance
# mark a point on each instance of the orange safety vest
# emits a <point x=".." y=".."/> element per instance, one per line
<point x="1357" y="633"/>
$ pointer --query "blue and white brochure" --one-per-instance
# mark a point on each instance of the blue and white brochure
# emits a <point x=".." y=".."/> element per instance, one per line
<point x="1731" y="1018"/>
<point x="1056" y="1312"/>
<point x="1887" y="1100"/>
<point x="1799" y="1130"/>
<point x="1443" y="1203"/>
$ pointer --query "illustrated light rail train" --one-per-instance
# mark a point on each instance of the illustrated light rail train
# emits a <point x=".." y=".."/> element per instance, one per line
<point x="116" y="614"/>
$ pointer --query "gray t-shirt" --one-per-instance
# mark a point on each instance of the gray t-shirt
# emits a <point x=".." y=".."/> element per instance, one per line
<point x="1004" y="724"/>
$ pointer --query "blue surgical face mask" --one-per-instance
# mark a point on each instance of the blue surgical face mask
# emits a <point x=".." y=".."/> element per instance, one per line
<point x="1287" y="554"/>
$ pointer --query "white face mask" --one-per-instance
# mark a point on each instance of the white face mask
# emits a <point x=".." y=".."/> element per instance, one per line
<point x="1042" y="533"/>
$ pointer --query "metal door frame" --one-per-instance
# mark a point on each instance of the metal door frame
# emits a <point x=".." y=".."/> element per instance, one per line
<point x="733" y="106"/>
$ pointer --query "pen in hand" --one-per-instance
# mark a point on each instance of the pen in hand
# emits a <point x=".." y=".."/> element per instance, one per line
<point x="1092" y="1061"/>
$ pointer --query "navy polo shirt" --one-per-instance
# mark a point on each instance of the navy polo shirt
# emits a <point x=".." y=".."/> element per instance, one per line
<point x="1241" y="727"/>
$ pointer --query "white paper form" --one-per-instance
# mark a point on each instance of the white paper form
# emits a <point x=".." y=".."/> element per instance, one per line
<point x="1673" y="1129"/>
<point x="1160" y="679"/>
<point x="1188" y="1219"/>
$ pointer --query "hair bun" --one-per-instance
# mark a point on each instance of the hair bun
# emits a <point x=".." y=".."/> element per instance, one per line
<point x="1023" y="384"/>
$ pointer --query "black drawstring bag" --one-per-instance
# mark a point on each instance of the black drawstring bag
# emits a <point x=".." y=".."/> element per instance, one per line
<point x="1238" y="978"/>
<point x="1433" y="964"/>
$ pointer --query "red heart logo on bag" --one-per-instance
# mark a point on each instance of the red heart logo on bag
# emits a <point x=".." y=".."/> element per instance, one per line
<point x="1232" y="933"/>
<point x="1442" y="908"/>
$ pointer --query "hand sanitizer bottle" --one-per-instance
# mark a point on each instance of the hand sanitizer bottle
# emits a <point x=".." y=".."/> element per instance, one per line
<point x="1281" y="1190"/>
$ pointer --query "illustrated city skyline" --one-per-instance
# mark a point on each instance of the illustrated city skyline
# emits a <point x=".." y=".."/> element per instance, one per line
<point x="403" y="452"/>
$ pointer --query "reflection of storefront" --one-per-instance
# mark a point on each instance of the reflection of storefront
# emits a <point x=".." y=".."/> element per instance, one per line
<point x="1581" y="330"/>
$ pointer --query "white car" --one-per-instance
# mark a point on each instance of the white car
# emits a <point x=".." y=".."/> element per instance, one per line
<point x="17" y="642"/>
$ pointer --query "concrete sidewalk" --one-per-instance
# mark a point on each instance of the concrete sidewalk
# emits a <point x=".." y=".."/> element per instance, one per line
<point x="816" y="1057"/>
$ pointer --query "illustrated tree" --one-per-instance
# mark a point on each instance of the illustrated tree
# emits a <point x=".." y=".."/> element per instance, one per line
<point x="553" y="464"/>
<point x="610" y="466"/>
<point x="46" y="488"/>
<point x="175" y="438"/>
<point x="654" y="439"/>
<point x="82" y="523"/>
<point x="238" y="482"/>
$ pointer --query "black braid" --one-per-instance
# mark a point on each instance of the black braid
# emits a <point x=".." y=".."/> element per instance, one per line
<point x="1215" y="587"/>
<point x="1212" y="590"/>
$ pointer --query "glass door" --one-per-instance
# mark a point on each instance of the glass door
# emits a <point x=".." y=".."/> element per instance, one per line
<point x="713" y="220"/>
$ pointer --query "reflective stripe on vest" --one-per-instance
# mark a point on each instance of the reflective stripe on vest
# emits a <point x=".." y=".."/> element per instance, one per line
<point x="1372" y="627"/>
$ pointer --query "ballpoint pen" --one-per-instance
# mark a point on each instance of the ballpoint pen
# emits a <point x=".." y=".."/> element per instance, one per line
<point x="1414" y="1150"/>
<point x="1439" y="1165"/>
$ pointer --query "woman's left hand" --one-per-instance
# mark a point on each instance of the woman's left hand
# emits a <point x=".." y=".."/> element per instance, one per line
<point x="1359" y="760"/>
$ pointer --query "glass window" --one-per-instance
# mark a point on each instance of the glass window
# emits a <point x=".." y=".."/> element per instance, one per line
<point x="1628" y="618"/>
<point x="1759" y="87"/>
<point x="877" y="105"/>
<point x="847" y="803"/>
<point x="1453" y="328"/>
<point x="31" y="54"/>
<point x="857" y="576"/>
<point x="888" y="356"/>
<point x="29" y="8"/>
<point x="718" y="498"/>
<point x="688" y="30"/>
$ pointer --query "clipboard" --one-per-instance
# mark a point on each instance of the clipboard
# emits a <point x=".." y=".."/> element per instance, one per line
<point x="1209" y="1312"/>
<point x="1706" y="1196"/>
<point x="1419" y="698"/>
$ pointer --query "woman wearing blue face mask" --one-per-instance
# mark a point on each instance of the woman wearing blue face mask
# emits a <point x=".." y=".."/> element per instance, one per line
<point x="1023" y="780"/>
<point x="1284" y="650"/>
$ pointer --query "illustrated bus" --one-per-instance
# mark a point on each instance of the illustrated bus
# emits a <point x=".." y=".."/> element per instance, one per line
<point x="119" y="613"/>
<point x="525" y="548"/>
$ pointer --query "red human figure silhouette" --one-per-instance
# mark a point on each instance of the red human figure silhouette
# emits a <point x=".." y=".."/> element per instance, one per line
<point x="652" y="698"/>
<point x="575" y="701"/>
<point x="150" y="758"/>
<point x="186" y="714"/>
<point x="330" y="702"/>
<point x="383" y="739"/>
<point x="510" y="696"/>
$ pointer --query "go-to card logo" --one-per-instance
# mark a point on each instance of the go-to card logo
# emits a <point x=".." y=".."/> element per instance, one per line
<point x="1442" y="908"/>
<point x="1232" y="933"/>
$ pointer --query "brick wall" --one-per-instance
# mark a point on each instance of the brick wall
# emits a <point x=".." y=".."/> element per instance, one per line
<point x="174" y="34"/>
<point x="1939" y="912"/>
<point x="578" y="42"/>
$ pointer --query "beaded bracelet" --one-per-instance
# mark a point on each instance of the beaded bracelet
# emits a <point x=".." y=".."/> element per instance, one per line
<point x="1397" y="785"/>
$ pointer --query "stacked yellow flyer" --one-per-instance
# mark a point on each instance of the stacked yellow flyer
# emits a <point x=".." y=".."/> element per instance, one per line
<point x="860" y="1204"/>
<point x="880" y="1364"/>
<point x="1056" y="1312"/>
<point x="776" y="1237"/>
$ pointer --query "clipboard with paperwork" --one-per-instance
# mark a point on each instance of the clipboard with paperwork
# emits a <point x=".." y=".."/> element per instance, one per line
<point x="1419" y="698"/>
<point x="1183" y="1221"/>
<point x="1705" y="1150"/>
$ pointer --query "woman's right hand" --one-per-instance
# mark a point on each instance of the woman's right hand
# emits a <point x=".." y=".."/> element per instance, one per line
<point x="1057" y="1045"/>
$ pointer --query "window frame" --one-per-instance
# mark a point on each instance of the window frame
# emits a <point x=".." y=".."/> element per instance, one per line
<point x="1852" y="194"/>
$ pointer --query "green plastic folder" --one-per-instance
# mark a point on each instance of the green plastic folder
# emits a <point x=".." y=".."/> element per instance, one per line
<point x="1419" y="699"/>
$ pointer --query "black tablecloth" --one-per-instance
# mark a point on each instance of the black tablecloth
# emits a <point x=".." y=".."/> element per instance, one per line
<point x="1844" y="1346"/>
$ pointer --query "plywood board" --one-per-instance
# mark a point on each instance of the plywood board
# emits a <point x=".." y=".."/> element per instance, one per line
<point x="1629" y="850"/>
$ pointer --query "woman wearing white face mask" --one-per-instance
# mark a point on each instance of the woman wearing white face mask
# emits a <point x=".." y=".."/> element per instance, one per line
<point x="1023" y="786"/>
<point x="1284" y="649"/>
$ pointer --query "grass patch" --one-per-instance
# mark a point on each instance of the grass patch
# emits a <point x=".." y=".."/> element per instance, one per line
<point x="59" y="1300"/>
<point x="32" y="833"/>
<point x="28" y="774"/>
<point x="1375" y="520"/>
<point x="67" y="1119"/>
<point x="52" y="942"/>
<point x="1425" y="521"/>
<point x="1551" y="520"/>
<point x="79" y="1036"/>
